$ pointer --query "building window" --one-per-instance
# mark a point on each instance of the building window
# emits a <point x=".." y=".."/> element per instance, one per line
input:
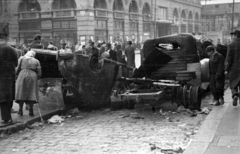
<point x="216" y="6"/>
<point x="63" y="4"/>
<point x="162" y="12"/>
<point x="146" y="26"/>
<point x="28" y="26"/>
<point x="100" y="30"/>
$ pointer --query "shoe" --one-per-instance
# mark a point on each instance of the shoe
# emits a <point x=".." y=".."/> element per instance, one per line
<point x="216" y="103"/>
<point x="222" y="101"/>
<point x="20" y="112"/>
<point x="6" y="121"/>
<point x="235" y="99"/>
<point x="31" y="113"/>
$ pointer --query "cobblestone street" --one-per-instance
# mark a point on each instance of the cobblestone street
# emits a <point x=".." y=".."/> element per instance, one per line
<point x="124" y="131"/>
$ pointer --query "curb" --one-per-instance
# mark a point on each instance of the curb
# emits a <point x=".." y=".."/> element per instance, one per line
<point x="20" y="126"/>
<point x="207" y="131"/>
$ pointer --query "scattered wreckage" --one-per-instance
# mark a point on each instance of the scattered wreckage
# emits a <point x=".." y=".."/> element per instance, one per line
<point x="171" y="70"/>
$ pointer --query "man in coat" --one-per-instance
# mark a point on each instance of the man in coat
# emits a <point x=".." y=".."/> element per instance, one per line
<point x="109" y="53"/>
<point x="37" y="42"/>
<point x="130" y="54"/>
<point x="233" y="65"/>
<point x="216" y="71"/>
<point x="8" y="62"/>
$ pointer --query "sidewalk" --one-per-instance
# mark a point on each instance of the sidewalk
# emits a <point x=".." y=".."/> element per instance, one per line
<point x="220" y="132"/>
<point x="21" y="122"/>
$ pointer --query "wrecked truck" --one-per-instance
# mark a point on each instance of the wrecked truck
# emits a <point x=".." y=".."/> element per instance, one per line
<point x="77" y="80"/>
<point x="171" y="70"/>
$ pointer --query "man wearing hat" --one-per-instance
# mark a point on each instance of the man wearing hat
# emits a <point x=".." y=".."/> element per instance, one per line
<point x="37" y="42"/>
<point x="130" y="54"/>
<point x="109" y="53"/>
<point x="64" y="49"/>
<point x="216" y="71"/>
<point x="232" y="65"/>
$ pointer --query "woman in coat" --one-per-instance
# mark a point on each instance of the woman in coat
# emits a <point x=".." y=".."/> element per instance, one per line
<point x="8" y="62"/>
<point x="27" y="82"/>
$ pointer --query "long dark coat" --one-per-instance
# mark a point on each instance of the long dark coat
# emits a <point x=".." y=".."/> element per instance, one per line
<point x="8" y="62"/>
<point x="130" y="54"/>
<point x="233" y="63"/>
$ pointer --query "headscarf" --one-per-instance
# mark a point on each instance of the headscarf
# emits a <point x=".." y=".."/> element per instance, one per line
<point x="30" y="54"/>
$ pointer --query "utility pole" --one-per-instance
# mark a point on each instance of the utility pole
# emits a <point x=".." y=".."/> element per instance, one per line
<point x="233" y="14"/>
<point x="155" y="18"/>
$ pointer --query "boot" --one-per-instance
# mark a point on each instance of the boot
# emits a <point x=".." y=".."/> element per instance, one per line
<point x="235" y="99"/>
<point x="20" y="111"/>
<point x="221" y="101"/>
<point x="216" y="103"/>
<point x="31" y="110"/>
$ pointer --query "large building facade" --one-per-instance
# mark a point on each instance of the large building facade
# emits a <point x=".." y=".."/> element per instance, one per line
<point x="102" y="20"/>
<point x="218" y="20"/>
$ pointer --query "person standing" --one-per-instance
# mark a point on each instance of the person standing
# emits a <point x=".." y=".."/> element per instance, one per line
<point x="109" y="53"/>
<point x="120" y="56"/>
<point x="51" y="46"/>
<point x="130" y="54"/>
<point x="64" y="49"/>
<point x="37" y="42"/>
<point x="27" y="82"/>
<point x="8" y="62"/>
<point x="233" y="65"/>
<point x="216" y="71"/>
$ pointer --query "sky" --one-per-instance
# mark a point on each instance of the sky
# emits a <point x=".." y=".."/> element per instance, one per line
<point x="218" y="1"/>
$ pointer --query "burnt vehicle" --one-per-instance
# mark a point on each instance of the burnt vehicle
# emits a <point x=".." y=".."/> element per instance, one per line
<point x="171" y="70"/>
<point x="81" y="80"/>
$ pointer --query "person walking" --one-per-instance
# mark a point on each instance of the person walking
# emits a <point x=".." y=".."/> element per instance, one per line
<point x="216" y="71"/>
<point x="233" y="66"/>
<point x="27" y="82"/>
<point x="8" y="62"/>
<point x="130" y="54"/>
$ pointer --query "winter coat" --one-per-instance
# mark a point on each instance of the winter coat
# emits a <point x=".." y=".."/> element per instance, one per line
<point x="8" y="62"/>
<point x="233" y="63"/>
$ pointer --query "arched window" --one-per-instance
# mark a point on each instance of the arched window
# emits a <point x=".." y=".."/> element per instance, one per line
<point x="29" y="5"/>
<point x="197" y="23"/>
<point x="146" y="21"/>
<point x="100" y="4"/>
<point x="133" y="8"/>
<point x="118" y="22"/>
<point x="134" y="21"/>
<point x="175" y="21"/>
<point x="101" y="26"/>
<point x="190" y="22"/>
<point x="118" y="5"/>
<point x="63" y="4"/>
<point x="183" y="22"/>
